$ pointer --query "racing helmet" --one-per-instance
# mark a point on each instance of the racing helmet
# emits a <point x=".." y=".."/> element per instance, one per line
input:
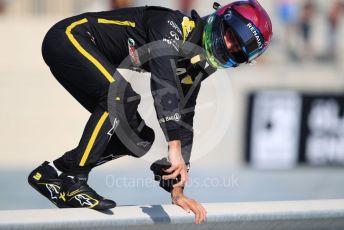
<point x="243" y="24"/>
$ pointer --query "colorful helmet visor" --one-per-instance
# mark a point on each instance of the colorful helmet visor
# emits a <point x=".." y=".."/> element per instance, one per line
<point x="251" y="41"/>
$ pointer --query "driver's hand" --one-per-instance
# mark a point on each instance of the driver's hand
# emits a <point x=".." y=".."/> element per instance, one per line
<point x="178" y="165"/>
<point x="189" y="205"/>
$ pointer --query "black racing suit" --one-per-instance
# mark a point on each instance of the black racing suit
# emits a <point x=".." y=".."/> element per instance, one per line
<point x="84" y="52"/>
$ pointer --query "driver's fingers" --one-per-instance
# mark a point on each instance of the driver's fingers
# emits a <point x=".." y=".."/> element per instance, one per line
<point x="184" y="177"/>
<point x="197" y="213"/>
<point x="171" y="169"/>
<point x="173" y="175"/>
<point x="203" y="212"/>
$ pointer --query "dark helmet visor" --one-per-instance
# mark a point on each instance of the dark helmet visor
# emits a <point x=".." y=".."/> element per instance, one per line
<point x="250" y="38"/>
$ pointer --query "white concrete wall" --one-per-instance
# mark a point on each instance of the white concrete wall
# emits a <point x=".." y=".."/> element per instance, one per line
<point x="312" y="215"/>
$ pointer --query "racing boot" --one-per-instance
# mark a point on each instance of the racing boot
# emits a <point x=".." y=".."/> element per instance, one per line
<point x="76" y="193"/>
<point x="46" y="181"/>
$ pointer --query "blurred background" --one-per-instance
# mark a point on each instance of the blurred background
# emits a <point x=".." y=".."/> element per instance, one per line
<point x="269" y="131"/>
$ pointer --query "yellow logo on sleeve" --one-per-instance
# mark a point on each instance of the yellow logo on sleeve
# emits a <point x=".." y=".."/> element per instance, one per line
<point x="188" y="25"/>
